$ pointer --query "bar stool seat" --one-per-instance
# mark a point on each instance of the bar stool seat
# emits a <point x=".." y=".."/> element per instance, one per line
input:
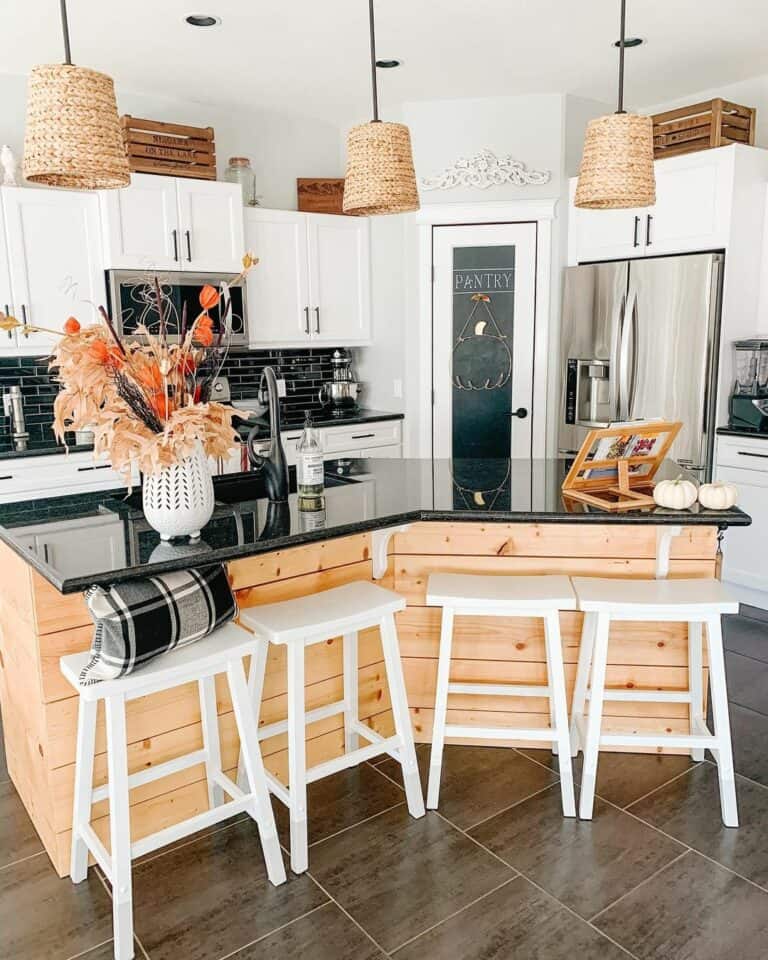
<point x="695" y="602"/>
<point x="502" y="596"/>
<point x="317" y="618"/>
<point x="221" y="652"/>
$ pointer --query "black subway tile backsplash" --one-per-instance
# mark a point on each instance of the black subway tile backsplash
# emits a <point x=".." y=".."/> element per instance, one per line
<point x="303" y="370"/>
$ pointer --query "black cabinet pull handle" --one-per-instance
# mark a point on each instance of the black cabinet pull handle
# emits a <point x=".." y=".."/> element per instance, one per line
<point x="175" y="235"/>
<point x="103" y="466"/>
<point x="760" y="456"/>
<point x="7" y="476"/>
<point x="10" y="332"/>
<point x="189" y="246"/>
<point x="521" y="412"/>
<point x="306" y="320"/>
<point x="648" y="240"/>
<point x="635" y="241"/>
<point x="297" y="437"/>
<point x="317" y="319"/>
<point x="363" y="436"/>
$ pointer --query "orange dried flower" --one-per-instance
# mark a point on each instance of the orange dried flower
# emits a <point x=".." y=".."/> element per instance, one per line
<point x="98" y="351"/>
<point x="209" y="297"/>
<point x="204" y="335"/>
<point x="150" y="377"/>
<point x="71" y="326"/>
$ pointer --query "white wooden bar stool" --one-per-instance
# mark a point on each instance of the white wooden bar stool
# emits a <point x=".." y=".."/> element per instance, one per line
<point x="503" y="596"/>
<point x="300" y="623"/>
<point x="221" y="652"/>
<point x="695" y="602"/>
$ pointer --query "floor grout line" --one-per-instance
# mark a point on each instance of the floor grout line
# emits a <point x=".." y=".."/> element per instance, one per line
<point x="551" y="896"/>
<point x="535" y="793"/>
<point x="245" y="946"/>
<point x="108" y="887"/>
<point x="455" y="913"/>
<point x="746" y="656"/>
<point x="706" y="856"/>
<point x="655" y="873"/>
<point x="677" y="776"/>
<point x="347" y="914"/>
<point x="358" y="823"/>
<point x="15" y="863"/>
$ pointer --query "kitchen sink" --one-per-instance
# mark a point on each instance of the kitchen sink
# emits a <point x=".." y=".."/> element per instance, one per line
<point x="241" y="487"/>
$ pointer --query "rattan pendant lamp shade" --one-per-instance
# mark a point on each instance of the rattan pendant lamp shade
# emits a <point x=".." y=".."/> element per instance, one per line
<point x="380" y="175"/>
<point x="73" y="136"/>
<point x="617" y="163"/>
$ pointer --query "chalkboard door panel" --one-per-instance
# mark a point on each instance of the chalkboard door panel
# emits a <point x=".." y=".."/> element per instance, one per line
<point x="483" y="337"/>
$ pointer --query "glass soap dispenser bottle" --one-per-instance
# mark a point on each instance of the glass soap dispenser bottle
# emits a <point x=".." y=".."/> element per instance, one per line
<point x="309" y="467"/>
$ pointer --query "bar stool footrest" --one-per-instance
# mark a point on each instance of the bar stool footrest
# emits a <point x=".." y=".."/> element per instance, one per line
<point x="311" y="716"/>
<point x="545" y="734"/>
<point x="352" y="759"/>
<point x="501" y="689"/>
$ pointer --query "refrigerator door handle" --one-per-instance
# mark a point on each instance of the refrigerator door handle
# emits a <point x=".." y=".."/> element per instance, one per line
<point x="624" y="377"/>
<point x="614" y="384"/>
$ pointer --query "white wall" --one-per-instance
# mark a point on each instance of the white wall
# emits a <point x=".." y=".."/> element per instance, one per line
<point x="281" y="147"/>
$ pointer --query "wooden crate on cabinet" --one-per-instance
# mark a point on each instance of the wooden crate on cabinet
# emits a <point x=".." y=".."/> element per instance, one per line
<point x="701" y="126"/>
<point x="171" y="149"/>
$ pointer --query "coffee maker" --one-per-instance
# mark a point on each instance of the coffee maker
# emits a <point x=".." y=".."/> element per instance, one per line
<point x="748" y="404"/>
<point x="342" y="390"/>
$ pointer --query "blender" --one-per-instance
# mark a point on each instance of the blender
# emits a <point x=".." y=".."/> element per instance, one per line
<point x="748" y="404"/>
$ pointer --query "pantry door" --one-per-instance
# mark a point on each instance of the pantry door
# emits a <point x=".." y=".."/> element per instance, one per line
<point x="483" y="326"/>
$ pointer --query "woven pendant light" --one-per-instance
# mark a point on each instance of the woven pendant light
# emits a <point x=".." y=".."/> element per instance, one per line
<point x="73" y="136"/>
<point x="380" y="176"/>
<point x="617" y="163"/>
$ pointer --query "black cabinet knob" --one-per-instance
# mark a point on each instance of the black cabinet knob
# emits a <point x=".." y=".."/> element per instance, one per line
<point x="520" y="412"/>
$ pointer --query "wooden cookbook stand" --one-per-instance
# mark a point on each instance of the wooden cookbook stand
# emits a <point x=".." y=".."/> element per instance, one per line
<point x="622" y="479"/>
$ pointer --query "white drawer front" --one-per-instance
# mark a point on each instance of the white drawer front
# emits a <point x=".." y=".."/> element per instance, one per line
<point x="746" y="453"/>
<point x="38" y="478"/>
<point x="362" y="436"/>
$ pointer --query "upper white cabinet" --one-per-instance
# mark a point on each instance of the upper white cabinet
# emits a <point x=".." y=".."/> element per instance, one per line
<point x="7" y="340"/>
<point x="172" y="223"/>
<point x="692" y="212"/>
<point x="54" y="260"/>
<point x="312" y="282"/>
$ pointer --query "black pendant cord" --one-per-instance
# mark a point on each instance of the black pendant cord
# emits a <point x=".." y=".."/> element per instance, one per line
<point x="65" y="32"/>
<point x="373" y="63"/>
<point x="621" y="56"/>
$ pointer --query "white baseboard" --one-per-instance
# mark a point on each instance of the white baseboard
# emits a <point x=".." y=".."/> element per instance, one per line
<point x="755" y="598"/>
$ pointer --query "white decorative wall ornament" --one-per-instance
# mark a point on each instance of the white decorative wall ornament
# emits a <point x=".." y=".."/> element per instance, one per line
<point x="485" y="170"/>
<point x="9" y="165"/>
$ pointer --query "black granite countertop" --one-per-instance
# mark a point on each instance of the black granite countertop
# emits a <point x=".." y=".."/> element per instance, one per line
<point x="103" y="537"/>
<point x="735" y="432"/>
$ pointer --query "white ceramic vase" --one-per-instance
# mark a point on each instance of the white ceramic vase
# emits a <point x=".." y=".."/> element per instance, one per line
<point x="178" y="500"/>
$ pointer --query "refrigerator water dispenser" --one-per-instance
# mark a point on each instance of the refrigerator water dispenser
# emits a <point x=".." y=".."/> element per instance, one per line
<point x="588" y="392"/>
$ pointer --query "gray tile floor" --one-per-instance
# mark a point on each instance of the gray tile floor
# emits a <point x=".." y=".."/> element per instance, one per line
<point x="496" y="874"/>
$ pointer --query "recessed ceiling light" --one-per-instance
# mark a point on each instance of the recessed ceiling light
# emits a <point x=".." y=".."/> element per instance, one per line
<point x="202" y="20"/>
<point x="630" y="42"/>
<point x="389" y="64"/>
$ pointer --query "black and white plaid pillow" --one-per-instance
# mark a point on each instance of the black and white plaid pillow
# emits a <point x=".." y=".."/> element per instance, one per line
<point x="139" y="620"/>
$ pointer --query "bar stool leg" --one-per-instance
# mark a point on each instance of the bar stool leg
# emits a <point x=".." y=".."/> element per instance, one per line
<point x="695" y="684"/>
<point x="209" y="721"/>
<point x="723" y="754"/>
<point x="297" y="759"/>
<point x="256" y="674"/>
<point x="254" y="770"/>
<point x="441" y="708"/>
<point x="559" y="709"/>
<point x="81" y="812"/>
<point x="351" y="707"/>
<point x="594" y="720"/>
<point x="119" y="827"/>
<point x="582" y="680"/>
<point x="402" y="716"/>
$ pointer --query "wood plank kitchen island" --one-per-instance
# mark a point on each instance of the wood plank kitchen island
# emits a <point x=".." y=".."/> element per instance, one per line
<point x="394" y="521"/>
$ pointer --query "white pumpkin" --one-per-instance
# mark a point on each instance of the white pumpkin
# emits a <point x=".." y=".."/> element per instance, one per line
<point x="675" y="494"/>
<point x="718" y="496"/>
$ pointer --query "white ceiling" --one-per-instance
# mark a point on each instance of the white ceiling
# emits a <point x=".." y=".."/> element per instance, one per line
<point x="309" y="57"/>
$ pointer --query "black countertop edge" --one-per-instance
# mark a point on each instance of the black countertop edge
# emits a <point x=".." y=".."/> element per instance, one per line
<point x="709" y="518"/>
<point x="735" y="432"/>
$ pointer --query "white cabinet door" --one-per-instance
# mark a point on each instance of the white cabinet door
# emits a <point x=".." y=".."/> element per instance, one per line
<point x="604" y="234"/>
<point x="278" y="286"/>
<point x="7" y="340"/>
<point x="692" y="207"/>
<point x="55" y="258"/>
<point x="210" y="226"/>
<point x="744" y="558"/>
<point x="140" y="225"/>
<point x="100" y="544"/>
<point x="339" y="288"/>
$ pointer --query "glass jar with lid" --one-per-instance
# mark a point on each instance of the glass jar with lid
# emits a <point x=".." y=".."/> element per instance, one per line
<point x="239" y="170"/>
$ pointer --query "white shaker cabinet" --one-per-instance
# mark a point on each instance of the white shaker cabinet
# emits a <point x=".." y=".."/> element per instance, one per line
<point x="7" y="340"/>
<point x="694" y="199"/>
<point x="339" y="279"/>
<point x="278" y="286"/>
<point x="54" y="257"/>
<point x="312" y="282"/>
<point x="173" y="223"/>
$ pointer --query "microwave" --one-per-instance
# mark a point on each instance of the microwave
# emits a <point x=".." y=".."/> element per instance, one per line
<point x="133" y="301"/>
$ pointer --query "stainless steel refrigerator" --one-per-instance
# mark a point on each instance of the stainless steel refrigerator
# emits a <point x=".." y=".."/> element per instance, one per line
<point x="640" y="339"/>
